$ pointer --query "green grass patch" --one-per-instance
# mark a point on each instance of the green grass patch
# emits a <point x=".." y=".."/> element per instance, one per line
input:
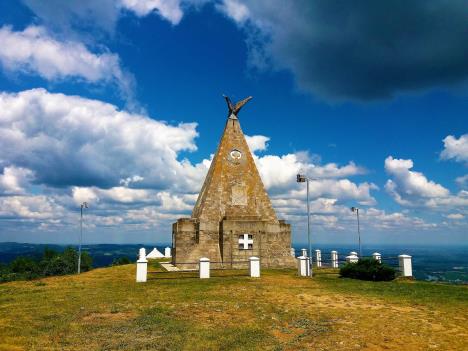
<point x="400" y="290"/>
<point x="105" y="309"/>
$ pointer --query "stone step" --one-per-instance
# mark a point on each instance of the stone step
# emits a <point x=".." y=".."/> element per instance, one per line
<point x="169" y="267"/>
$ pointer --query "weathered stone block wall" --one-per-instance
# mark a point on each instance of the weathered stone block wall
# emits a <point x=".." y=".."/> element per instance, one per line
<point x="220" y="243"/>
<point x="230" y="232"/>
<point x="276" y="252"/>
<point x="271" y="243"/>
<point x="192" y="240"/>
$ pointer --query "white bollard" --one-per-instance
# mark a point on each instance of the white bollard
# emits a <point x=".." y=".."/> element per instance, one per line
<point x="353" y="253"/>
<point x="318" y="258"/>
<point x="142" y="254"/>
<point x="352" y="258"/>
<point x="254" y="267"/>
<point x="204" y="268"/>
<point x="334" y="259"/>
<point x="377" y="256"/>
<point x="303" y="267"/>
<point x="293" y="252"/>
<point x="304" y="252"/>
<point x="167" y="252"/>
<point x="142" y="267"/>
<point x="405" y="265"/>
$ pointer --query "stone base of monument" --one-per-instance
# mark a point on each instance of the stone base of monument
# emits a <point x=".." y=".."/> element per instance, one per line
<point x="230" y="243"/>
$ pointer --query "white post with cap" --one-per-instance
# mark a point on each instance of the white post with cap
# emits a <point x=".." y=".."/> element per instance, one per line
<point x="167" y="252"/>
<point x="352" y="258"/>
<point x="204" y="268"/>
<point x="304" y="252"/>
<point x="318" y="258"/>
<point x="254" y="267"/>
<point x="406" y="268"/>
<point x="334" y="259"/>
<point x="142" y="267"/>
<point x="377" y="256"/>
<point x="303" y="267"/>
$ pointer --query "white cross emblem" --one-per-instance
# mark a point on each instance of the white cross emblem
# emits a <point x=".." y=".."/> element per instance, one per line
<point x="245" y="241"/>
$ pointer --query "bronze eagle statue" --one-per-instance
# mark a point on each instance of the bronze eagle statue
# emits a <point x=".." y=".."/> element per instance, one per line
<point x="234" y="109"/>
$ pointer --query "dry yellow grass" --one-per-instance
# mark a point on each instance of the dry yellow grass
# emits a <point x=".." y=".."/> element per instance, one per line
<point x="106" y="310"/>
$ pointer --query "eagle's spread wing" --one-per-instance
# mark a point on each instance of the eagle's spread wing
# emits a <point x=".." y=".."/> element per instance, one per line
<point x="229" y="104"/>
<point x="234" y="109"/>
<point x="240" y="104"/>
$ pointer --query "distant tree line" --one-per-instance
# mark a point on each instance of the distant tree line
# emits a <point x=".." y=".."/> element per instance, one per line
<point x="121" y="261"/>
<point x="51" y="263"/>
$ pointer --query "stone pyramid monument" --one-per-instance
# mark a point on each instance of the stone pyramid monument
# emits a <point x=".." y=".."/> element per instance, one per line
<point x="233" y="218"/>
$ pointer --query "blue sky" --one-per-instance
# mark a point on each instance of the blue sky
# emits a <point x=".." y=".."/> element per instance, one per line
<point x="119" y="103"/>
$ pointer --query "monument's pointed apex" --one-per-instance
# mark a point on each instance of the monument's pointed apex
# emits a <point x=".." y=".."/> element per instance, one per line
<point x="233" y="186"/>
<point x="234" y="109"/>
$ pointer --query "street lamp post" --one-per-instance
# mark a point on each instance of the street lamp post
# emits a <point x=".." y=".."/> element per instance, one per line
<point x="355" y="209"/>
<point x="83" y="205"/>
<point x="303" y="179"/>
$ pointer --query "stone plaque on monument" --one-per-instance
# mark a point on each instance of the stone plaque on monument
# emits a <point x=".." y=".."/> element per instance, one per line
<point x="239" y="195"/>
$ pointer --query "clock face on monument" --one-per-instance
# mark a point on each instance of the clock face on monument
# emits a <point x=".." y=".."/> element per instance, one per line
<point x="234" y="156"/>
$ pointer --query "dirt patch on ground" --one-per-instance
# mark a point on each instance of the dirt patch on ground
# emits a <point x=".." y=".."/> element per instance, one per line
<point x="344" y="302"/>
<point x="110" y="317"/>
<point x="223" y="313"/>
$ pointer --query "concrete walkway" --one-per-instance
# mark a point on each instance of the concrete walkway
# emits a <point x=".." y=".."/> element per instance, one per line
<point x="169" y="267"/>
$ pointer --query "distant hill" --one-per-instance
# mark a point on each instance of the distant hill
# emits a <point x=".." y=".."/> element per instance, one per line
<point x="102" y="254"/>
<point x="436" y="263"/>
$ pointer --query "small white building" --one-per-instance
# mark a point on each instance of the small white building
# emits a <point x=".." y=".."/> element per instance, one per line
<point x="155" y="254"/>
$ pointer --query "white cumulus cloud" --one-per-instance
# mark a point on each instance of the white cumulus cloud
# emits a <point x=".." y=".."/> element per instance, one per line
<point x="380" y="219"/>
<point x="234" y="9"/>
<point x="74" y="141"/>
<point x="38" y="207"/>
<point x="456" y="149"/>
<point x="14" y="180"/>
<point x="411" y="188"/>
<point x="35" y="51"/>
<point x="462" y="181"/>
<point x="410" y="184"/>
<point x="257" y="142"/>
<point x="281" y="171"/>
<point x="168" y="9"/>
<point x="114" y="194"/>
<point x="128" y="167"/>
<point x="455" y="216"/>
<point x="105" y="14"/>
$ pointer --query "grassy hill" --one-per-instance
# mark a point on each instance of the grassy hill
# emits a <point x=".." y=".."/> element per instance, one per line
<point x="106" y="310"/>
